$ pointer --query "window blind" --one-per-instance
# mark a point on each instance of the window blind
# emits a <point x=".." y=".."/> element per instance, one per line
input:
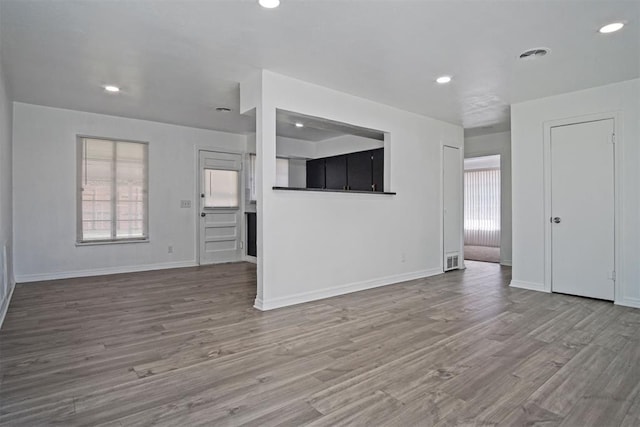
<point x="482" y="207"/>
<point x="113" y="190"/>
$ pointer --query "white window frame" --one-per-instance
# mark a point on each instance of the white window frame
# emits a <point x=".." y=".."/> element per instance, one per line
<point x="145" y="220"/>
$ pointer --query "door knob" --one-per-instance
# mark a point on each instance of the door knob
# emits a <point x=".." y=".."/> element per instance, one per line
<point x="556" y="220"/>
<point x="203" y="214"/>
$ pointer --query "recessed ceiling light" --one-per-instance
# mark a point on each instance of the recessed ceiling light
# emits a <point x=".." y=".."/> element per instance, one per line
<point x="443" y="79"/>
<point x="611" y="28"/>
<point x="299" y="125"/>
<point x="223" y="109"/>
<point x="111" y="88"/>
<point x="269" y="4"/>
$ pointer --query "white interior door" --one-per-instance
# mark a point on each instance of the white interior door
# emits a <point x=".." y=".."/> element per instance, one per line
<point x="582" y="209"/>
<point x="220" y="215"/>
<point x="452" y="207"/>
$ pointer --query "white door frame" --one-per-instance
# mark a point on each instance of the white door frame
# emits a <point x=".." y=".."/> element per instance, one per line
<point x="461" y="265"/>
<point x="196" y="205"/>
<point x="617" y="204"/>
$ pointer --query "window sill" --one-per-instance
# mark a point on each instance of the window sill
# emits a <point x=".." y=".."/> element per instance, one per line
<point x="324" y="190"/>
<point x="111" y="242"/>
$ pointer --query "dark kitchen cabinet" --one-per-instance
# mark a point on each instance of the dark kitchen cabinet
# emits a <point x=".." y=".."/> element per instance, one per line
<point x="252" y="231"/>
<point x="359" y="171"/>
<point x="315" y="173"/>
<point x="335" y="172"/>
<point x="377" y="169"/>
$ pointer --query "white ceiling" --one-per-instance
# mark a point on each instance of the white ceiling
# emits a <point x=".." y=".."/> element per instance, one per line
<point x="178" y="60"/>
<point x="317" y="129"/>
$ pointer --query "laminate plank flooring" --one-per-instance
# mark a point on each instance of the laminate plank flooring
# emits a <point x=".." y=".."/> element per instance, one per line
<point x="186" y="347"/>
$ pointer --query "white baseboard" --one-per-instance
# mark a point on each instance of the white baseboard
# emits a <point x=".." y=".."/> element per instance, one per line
<point x="506" y="262"/>
<point x="26" y="278"/>
<point x="4" y="306"/>
<point x="302" y="297"/>
<point x="629" y="302"/>
<point x="532" y="286"/>
<point x="251" y="259"/>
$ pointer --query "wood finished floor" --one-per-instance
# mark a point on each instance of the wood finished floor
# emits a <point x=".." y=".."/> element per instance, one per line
<point x="185" y="347"/>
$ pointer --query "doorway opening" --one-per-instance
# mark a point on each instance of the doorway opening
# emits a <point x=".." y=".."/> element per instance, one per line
<point x="482" y="205"/>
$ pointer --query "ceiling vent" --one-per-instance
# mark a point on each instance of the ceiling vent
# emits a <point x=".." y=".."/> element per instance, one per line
<point x="534" y="53"/>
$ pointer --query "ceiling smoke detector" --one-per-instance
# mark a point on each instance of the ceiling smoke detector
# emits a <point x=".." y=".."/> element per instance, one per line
<point x="223" y="109"/>
<point x="538" y="52"/>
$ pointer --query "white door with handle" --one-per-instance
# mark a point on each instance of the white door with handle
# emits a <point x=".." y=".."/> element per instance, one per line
<point x="582" y="209"/>
<point x="219" y="215"/>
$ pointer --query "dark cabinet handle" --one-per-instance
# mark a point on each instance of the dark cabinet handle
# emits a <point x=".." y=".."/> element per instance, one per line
<point x="203" y="214"/>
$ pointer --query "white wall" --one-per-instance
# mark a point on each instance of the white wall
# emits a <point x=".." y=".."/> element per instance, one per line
<point x="286" y="147"/>
<point x="44" y="175"/>
<point x="6" y="224"/>
<point x="311" y="244"/>
<point x="345" y="144"/>
<point x="296" y="150"/>
<point x="527" y="126"/>
<point x="297" y="173"/>
<point x="486" y="145"/>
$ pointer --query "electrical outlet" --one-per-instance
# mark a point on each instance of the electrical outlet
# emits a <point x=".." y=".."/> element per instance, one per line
<point x="185" y="203"/>
<point x="170" y="249"/>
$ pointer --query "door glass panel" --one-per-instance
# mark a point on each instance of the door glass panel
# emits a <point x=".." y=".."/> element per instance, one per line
<point x="220" y="188"/>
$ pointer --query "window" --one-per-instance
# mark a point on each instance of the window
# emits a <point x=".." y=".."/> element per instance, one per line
<point x="482" y="207"/>
<point x="282" y="174"/>
<point x="112" y="190"/>
<point x="220" y="188"/>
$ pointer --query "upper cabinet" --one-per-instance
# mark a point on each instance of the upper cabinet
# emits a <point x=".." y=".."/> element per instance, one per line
<point x="360" y="171"/>
<point x="377" y="169"/>
<point x="315" y="173"/>
<point x="335" y="173"/>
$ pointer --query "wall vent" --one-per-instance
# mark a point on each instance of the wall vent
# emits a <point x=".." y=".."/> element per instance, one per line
<point x="534" y="53"/>
<point x="452" y="262"/>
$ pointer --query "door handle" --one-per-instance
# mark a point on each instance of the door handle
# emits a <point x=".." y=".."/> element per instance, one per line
<point x="556" y="220"/>
<point x="203" y="214"/>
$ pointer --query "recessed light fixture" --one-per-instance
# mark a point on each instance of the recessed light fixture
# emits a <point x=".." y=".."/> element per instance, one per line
<point x="111" y="88"/>
<point x="611" y="28"/>
<point x="299" y="125"/>
<point x="443" y="79"/>
<point x="269" y="4"/>
<point x="223" y="109"/>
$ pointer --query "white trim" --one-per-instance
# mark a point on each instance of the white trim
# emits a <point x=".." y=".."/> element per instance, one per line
<point x="26" y="278"/>
<point x="531" y="286"/>
<point x="628" y="302"/>
<point x="617" y="203"/>
<point x="506" y="262"/>
<point x="460" y="249"/>
<point x="111" y="242"/>
<point x="251" y="259"/>
<point x="4" y="308"/>
<point x="261" y="304"/>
